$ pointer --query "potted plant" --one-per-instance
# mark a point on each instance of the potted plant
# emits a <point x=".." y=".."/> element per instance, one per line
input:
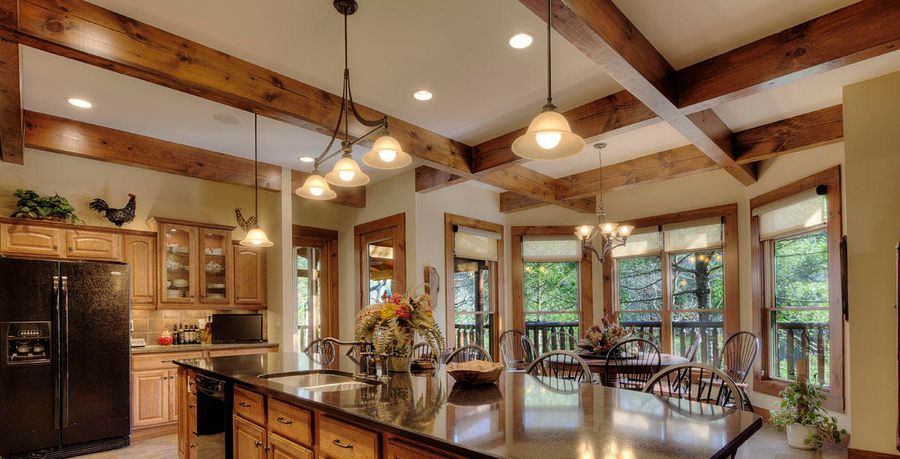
<point x="390" y="327"/>
<point x="807" y="424"/>
<point x="34" y="206"/>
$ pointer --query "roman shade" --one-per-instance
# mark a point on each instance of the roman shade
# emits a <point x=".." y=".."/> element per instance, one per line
<point x="693" y="235"/>
<point x="641" y="242"/>
<point x="788" y="215"/>
<point x="551" y="248"/>
<point x="475" y="244"/>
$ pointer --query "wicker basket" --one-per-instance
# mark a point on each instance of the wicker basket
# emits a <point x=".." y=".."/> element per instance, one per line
<point x="475" y="372"/>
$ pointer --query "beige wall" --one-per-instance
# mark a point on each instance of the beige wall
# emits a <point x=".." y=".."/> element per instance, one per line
<point x="872" y="137"/>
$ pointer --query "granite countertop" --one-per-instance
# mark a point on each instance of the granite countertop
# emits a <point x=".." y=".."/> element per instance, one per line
<point x="521" y="416"/>
<point x="156" y="349"/>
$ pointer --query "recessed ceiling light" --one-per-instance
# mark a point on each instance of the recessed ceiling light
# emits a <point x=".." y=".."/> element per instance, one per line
<point x="80" y="103"/>
<point x="521" y="40"/>
<point x="422" y="95"/>
<point x="306" y="159"/>
<point x="225" y="118"/>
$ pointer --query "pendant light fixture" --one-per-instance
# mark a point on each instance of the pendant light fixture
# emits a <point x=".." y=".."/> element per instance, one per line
<point x="255" y="237"/>
<point x="610" y="235"/>
<point x="386" y="153"/>
<point x="549" y="135"/>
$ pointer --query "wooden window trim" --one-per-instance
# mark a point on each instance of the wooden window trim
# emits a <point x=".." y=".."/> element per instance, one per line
<point x="585" y="274"/>
<point x="761" y="382"/>
<point x="327" y="242"/>
<point x="497" y="281"/>
<point x="393" y="226"/>
<point x="730" y="261"/>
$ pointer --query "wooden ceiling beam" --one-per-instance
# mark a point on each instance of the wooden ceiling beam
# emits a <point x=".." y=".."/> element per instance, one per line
<point x="514" y="202"/>
<point x="851" y="34"/>
<point x="601" y="32"/>
<point x="431" y="179"/>
<point x="88" y="33"/>
<point x="611" y="115"/>
<point x="12" y="146"/>
<point x="801" y="132"/>
<point x="75" y="138"/>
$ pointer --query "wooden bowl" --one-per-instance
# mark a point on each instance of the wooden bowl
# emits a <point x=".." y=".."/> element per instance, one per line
<point x="475" y="372"/>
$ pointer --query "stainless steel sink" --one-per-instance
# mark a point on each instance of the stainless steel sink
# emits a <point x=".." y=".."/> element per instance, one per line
<point x="320" y="380"/>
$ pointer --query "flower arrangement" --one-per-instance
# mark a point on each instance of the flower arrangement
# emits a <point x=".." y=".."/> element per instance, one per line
<point x="599" y="339"/>
<point x="390" y="325"/>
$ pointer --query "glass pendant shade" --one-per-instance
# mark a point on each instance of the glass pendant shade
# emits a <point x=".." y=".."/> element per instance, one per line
<point x="386" y="153"/>
<point x="256" y="238"/>
<point x="316" y="187"/>
<point x="548" y="137"/>
<point x="346" y="173"/>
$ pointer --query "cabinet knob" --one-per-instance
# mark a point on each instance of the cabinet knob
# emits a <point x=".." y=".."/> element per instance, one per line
<point x="193" y="445"/>
<point x="258" y="443"/>
<point x="191" y="406"/>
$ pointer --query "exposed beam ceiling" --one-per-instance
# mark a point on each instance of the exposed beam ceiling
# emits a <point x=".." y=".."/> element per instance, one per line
<point x="801" y="132"/>
<point x="430" y="179"/>
<point x="856" y="32"/>
<point x="82" y="31"/>
<point x="603" y="33"/>
<point x="11" y="143"/>
<point x="75" y="138"/>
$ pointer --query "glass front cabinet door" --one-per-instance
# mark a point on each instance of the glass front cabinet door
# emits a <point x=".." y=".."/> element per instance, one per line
<point x="179" y="253"/>
<point x="215" y="266"/>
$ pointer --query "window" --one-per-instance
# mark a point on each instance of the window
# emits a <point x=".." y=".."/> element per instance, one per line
<point x="380" y="251"/>
<point x="796" y="234"/>
<point x="473" y="256"/>
<point x="309" y="326"/>
<point x="675" y="279"/>
<point x="316" y="263"/>
<point x="555" y="280"/>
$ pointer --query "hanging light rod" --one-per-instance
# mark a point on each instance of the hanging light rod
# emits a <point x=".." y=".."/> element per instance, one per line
<point x="609" y="235"/>
<point x="386" y="153"/>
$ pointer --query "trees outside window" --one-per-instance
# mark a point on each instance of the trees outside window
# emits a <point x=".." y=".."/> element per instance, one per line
<point x="551" y="297"/>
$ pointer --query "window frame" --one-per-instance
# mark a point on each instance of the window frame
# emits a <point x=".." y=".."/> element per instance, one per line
<point x="762" y="284"/>
<point x="393" y="227"/>
<point x="329" y="294"/>
<point x="517" y="269"/>
<point x="496" y="280"/>
<point x="730" y="263"/>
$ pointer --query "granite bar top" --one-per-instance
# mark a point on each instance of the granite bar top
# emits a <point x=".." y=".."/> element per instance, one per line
<point x="156" y="349"/>
<point x="520" y="416"/>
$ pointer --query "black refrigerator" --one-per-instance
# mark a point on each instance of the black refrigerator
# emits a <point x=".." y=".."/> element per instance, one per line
<point x="65" y="368"/>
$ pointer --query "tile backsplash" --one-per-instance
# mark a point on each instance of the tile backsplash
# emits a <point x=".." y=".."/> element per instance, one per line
<point x="149" y="324"/>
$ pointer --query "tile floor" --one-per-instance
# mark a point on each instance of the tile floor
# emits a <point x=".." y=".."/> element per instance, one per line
<point x="767" y="443"/>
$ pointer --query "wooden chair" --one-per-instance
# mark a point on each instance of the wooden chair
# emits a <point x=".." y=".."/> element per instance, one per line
<point x="691" y="353"/>
<point x="469" y="353"/>
<point x="696" y="382"/>
<point x="562" y="365"/>
<point x="631" y="363"/>
<point x="562" y="341"/>
<point x="738" y="355"/>
<point x="322" y="350"/>
<point x="516" y="350"/>
<point x="423" y="351"/>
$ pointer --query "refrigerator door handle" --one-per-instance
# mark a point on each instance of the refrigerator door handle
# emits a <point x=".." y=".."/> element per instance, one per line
<point x="65" y="392"/>
<point x="56" y="378"/>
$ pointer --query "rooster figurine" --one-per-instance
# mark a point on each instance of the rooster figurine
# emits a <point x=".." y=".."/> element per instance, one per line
<point x="117" y="216"/>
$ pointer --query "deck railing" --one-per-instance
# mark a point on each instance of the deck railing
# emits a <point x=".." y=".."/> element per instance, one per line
<point x="792" y="347"/>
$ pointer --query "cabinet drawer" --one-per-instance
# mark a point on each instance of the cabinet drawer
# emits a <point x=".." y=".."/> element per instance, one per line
<point x="93" y="245"/>
<point x="341" y="440"/>
<point x="290" y="422"/>
<point x="250" y="405"/>
<point x="395" y="449"/>
<point x="161" y="361"/>
<point x="281" y="448"/>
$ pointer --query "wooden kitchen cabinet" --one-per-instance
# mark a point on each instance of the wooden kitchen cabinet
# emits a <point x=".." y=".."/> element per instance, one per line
<point x="249" y="275"/>
<point x="216" y="266"/>
<point x="249" y="440"/>
<point x="31" y="240"/>
<point x="150" y="398"/>
<point x="282" y="448"/>
<point x="93" y="245"/>
<point x="339" y="440"/>
<point x="140" y="254"/>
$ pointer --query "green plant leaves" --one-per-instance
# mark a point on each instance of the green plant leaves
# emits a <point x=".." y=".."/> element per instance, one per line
<point x="32" y="205"/>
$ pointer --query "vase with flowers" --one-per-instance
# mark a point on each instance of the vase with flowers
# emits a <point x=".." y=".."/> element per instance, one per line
<point x="599" y="339"/>
<point x="391" y="326"/>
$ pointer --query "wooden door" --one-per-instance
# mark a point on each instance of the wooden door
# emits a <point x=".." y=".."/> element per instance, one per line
<point x="31" y="240"/>
<point x="215" y="266"/>
<point x="177" y="246"/>
<point x="184" y="431"/>
<point x="140" y="254"/>
<point x="281" y="448"/>
<point x="249" y="275"/>
<point x="93" y="245"/>
<point x="149" y="398"/>
<point x="249" y="440"/>
<point x="175" y="401"/>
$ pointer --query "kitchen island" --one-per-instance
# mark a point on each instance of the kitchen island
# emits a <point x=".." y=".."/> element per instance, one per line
<point x="430" y="416"/>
